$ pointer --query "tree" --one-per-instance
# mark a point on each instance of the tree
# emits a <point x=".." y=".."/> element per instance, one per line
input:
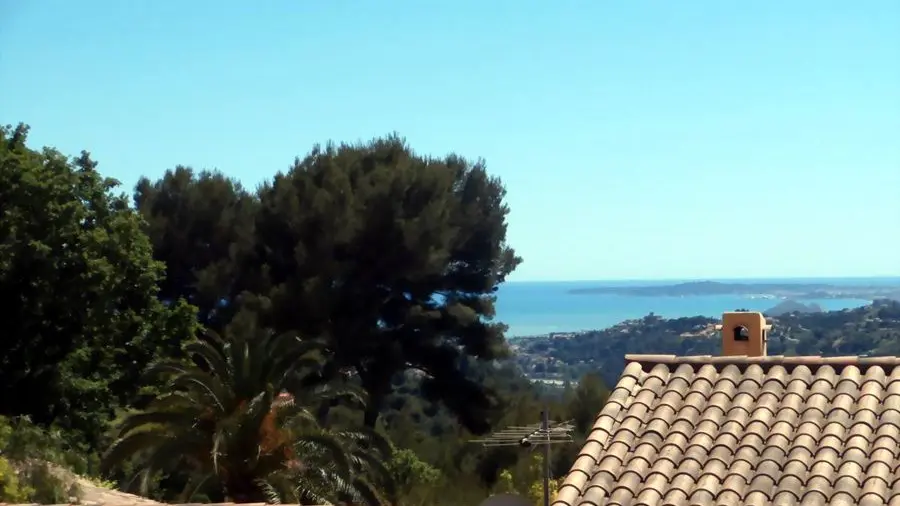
<point x="78" y="290"/>
<point x="392" y="257"/>
<point x="238" y="424"/>
<point x="585" y="402"/>
<point x="201" y="226"/>
<point x="417" y="482"/>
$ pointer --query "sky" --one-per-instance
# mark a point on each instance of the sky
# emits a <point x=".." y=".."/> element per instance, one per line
<point x="636" y="140"/>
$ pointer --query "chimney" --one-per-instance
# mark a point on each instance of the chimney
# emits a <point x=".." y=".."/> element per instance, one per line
<point x="744" y="333"/>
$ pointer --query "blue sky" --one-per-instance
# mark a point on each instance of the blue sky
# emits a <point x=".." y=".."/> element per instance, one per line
<point x="619" y="128"/>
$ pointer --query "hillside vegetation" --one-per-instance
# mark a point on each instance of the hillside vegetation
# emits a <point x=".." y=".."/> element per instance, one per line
<point x="327" y="337"/>
<point x="869" y="330"/>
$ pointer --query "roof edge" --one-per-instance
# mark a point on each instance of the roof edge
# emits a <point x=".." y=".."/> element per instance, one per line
<point x="813" y="362"/>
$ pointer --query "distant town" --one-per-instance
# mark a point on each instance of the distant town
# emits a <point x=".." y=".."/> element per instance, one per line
<point x="558" y="359"/>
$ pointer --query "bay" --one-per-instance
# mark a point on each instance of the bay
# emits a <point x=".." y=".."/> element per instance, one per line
<point x="539" y="308"/>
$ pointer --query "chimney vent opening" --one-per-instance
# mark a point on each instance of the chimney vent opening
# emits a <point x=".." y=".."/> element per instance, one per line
<point x="741" y="333"/>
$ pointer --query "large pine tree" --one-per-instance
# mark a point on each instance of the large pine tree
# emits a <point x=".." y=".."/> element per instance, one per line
<point x="392" y="257"/>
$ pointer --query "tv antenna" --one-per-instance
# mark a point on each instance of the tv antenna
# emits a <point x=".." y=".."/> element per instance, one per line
<point x="541" y="435"/>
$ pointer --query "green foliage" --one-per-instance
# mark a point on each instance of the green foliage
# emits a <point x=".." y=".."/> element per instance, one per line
<point x="870" y="330"/>
<point x="505" y="483"/>
<point x="417" y="482"/>
<point x="536" y="489"/>
<point x="28" y="457"/>
<point x="585" y="401"/>
<point x="391" y="256"/>
<point x="470" y="471"/>
<point x="527" y="480"/>
<point x="77" y="288"/>
<point x="233" y="423"/>
<point x="11" y="490"/>
<point x="44" y="486"/>
<point x="202" y="228"/>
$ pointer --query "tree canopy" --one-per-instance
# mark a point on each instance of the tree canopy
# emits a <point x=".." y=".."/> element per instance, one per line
<point x="277" y="326"/>
<point x="78" y="288"/>
<point x="391" y="257"/>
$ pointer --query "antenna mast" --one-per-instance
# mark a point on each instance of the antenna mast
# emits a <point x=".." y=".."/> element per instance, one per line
<point x="543" y="434"/>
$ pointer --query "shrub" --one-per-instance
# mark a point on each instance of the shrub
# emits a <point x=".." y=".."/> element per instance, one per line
<point x="28" y="459"/>
<point x="11" y="490"/>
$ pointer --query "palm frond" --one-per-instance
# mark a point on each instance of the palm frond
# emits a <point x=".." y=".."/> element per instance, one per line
<point x="213" y="356"/>
<point x="195" y="484"/>
<point x="370" y="438"/>
<point x="323" y="448"/>
<point x="143" y="419"/>
<point x="221" y="423"/>
<point x="366" y="492"/>
<point x="273" y="495"/>
<point x="346" y="392"/>
<point x="205" y="382"/>
<point x="131" y="444"/>
<point x="374" y="467"/>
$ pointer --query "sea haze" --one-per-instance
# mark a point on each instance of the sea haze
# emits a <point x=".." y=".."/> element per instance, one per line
<point x="536" y="308"/>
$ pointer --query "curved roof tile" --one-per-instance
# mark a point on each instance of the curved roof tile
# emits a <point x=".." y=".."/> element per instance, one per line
<point x="744" y="430"/>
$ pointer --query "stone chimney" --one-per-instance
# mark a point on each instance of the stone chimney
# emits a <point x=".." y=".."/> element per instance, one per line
<point x="744" y="333"/>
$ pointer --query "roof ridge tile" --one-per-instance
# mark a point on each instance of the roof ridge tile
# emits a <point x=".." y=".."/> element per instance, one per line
<point x="648" y="361"/>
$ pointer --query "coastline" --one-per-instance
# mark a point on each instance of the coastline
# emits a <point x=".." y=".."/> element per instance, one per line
<point x="543" y="308"/>
<point x="524" y="327"/>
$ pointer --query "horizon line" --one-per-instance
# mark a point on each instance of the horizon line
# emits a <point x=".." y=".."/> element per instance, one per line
<point x="690" y="279"/>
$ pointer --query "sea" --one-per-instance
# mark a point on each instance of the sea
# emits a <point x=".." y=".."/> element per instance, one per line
<point x="540" y="308"/>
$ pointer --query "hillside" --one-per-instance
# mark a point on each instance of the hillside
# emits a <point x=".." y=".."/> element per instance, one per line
<point x="768" y="290"/>
<point x="792" y="306"/>
<point x="869" y="330"/>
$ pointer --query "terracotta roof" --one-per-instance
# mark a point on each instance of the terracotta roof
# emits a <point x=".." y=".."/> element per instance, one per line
<point x="744" y="430"/>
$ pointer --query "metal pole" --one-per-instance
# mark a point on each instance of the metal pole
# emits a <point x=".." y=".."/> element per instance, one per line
<point x="545" y="427"/>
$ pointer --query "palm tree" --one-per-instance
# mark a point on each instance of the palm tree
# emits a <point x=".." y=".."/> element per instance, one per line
<point x="236" y="421"/>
